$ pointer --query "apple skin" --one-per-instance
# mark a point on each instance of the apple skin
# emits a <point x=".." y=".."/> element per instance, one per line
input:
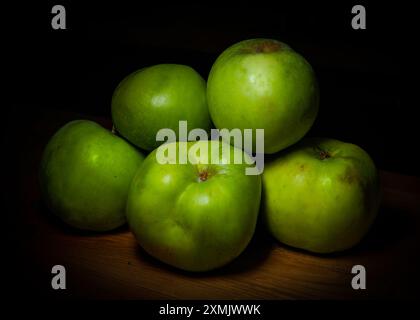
<point x="190" y="223"/>
<point x="85" y="175"/>
<point x="263" y="84"/>
<point x="159" y="97"/>
<point x="322" y="195"/>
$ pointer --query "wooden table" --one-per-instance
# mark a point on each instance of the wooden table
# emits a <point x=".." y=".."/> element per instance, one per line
<point x="112" y="265"/>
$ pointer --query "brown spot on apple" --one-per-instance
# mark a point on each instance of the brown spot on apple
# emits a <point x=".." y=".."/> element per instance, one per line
<point x="264" y="46"/>
<point x="350" y="176"/>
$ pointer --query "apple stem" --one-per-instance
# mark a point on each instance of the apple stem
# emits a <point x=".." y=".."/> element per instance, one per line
<point x="203" y="175"/>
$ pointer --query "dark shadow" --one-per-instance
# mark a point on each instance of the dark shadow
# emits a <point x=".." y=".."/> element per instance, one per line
<point x="253" y="256"/>
<point x="48" y="217"/>
<point x="390" y="227"/>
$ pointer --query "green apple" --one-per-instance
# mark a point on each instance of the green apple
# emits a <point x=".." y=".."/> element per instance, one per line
<point x="196" y="216"/>
<point x="159" y="97"/>
<point x="322" y="195"/>
<point x="263" y="84"/>
<point x="85" y="175"/>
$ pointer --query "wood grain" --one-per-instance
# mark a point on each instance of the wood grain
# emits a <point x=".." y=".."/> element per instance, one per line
<point x="113" y="266"/>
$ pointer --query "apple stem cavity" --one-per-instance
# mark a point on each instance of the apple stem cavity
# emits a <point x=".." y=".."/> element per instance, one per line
<point x="203" y="175"/>
<point x="324" y="155"/>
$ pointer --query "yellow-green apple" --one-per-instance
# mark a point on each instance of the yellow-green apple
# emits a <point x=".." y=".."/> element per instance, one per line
<point x="195" y="216"/>
<point x="159" y="97"/>
<point x="263" y="84"/>
<point x="85" y="175"/>
<point x="322" y="195"/>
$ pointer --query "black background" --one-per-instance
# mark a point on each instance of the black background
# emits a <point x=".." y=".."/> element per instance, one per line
<point x="366" y="76"/>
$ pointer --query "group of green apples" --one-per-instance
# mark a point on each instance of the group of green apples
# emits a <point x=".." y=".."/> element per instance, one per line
<point x="316" y="194"/>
